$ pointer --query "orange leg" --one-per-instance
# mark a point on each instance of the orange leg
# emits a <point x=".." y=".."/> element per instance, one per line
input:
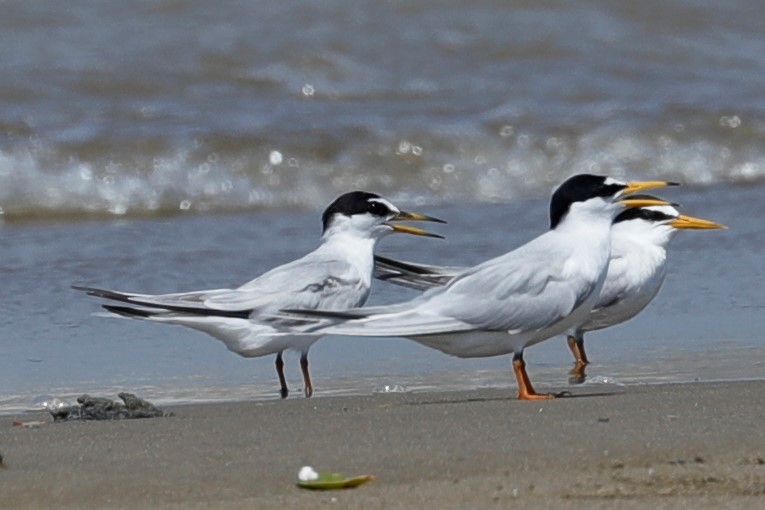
<point x="283" y="391"/>
<point x="308" y="390"/>
<point x="576" y="344"/>
<point x="525" y="389"/>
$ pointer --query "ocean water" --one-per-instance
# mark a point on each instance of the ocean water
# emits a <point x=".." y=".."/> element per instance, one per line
<point x="163" y="146"/>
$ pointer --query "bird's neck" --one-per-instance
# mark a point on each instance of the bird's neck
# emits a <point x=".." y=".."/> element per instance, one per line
<point x="588" y="226"/>
<point x="356" y="250"/>
<point x="643" y="237"/>
<point x="645" y="254"/>
<point x="589" y="239"/>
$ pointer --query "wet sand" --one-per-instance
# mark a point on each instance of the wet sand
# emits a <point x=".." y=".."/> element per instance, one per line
<point x="659" y="446"/>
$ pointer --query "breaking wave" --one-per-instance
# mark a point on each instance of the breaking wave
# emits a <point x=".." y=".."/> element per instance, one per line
<point x="501" y="164"/>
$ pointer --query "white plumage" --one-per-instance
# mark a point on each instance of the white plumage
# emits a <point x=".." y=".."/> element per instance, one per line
<point x="636" y="270"/>
<point x="335" y="276"/>
<point x="515" y="300"/>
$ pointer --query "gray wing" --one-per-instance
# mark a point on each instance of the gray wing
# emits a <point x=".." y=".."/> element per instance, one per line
<point x="520" y="291"/>
<point x="310" y="283"/>
<point x="519" y="302"/>
<point x="307" y="283"/>
<point x="413" y="275"/>
<point x="514" y="293"/>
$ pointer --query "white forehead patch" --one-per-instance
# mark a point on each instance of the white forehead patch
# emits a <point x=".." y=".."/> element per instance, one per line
<point x="610" y="181"/>
<point x="665" y="209"/>
<point x="386" y="204"/>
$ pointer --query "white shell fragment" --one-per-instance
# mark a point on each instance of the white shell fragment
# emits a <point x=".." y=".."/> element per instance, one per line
<point x="307" y="474"/>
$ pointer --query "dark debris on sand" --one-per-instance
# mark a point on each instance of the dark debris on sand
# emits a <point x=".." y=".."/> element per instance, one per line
<point x="97" y="408"/>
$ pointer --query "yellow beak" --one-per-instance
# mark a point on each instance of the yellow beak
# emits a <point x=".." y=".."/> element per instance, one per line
<point x="642" y="202"/>
<point x="635" y="186"/>
<point x="690" y="222"/>
<point x="409" y="216"/>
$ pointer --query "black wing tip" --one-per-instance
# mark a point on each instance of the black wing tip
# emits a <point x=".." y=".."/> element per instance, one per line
<point x="92" y="291"/>
<point x="322" y="314"/>
<point x="103" y="293"/>
<point x="406" y="266"/>
<point x="386" y="277"/>
<point x="161" y="308"/>
<point x="126" y="311"/>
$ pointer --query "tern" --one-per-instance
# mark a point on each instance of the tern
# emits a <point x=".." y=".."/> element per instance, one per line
<point x="335" y="276"/>
<point x="636" y="270"/>
<point x="513" y="301"/>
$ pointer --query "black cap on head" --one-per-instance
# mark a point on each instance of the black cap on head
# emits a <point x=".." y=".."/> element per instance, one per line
<point x="355" y="202"/>
<point x="580" y="188"/>
<point x="642" y="213"/>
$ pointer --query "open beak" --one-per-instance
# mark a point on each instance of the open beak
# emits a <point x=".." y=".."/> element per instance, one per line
<point x="689" y="222"/>
<point x="406" y="229"/>
<point x="635" y="186"/>
<point x="410" y="216"/>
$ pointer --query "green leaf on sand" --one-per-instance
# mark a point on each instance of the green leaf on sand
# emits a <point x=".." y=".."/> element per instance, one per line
<point x="332" y="481"/>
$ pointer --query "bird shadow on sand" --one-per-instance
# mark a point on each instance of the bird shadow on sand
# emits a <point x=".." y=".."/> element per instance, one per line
<point x="569" y="395"/>
<point x="563" y="395"/>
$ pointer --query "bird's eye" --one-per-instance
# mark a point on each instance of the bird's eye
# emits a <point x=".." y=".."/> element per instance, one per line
<point x="378" y="209"/>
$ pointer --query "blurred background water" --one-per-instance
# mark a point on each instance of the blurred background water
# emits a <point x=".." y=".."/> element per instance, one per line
<point x="174" y="145"/>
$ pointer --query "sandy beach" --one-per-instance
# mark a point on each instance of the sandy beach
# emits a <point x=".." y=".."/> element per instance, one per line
<point x="658" y="446"/>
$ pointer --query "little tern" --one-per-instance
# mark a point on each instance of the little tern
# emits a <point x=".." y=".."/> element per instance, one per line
<point x="636" y="271"/>
<point x="513" y="301"/>
<point x="335" y="276"/>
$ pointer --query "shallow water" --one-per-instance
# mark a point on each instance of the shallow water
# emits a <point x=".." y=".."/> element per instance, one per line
<point x="705" y="325"/>
<point x="167" y="146"/>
